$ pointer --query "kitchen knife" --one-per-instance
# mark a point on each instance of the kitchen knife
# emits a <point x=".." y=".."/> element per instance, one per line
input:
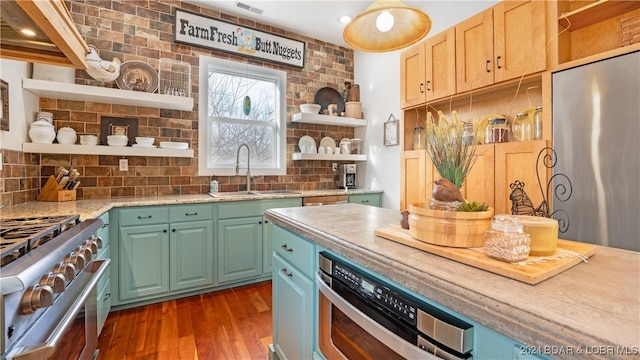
<point x="63" y="182"/>
<point x="75" y="186"/>
<point x="59" y="173"/>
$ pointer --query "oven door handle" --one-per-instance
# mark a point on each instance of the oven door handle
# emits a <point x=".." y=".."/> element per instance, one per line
<point x="382" y="334"/>
<point x="44" y="350"/>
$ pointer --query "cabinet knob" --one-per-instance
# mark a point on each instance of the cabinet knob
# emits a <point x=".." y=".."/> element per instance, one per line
<point x="486" y="66"/>
<point x="266" y="221"/>
<point x="191" y="214"/>
<point x="428" y="85"/>
<point x="498" y="62"/>
<point x="421" y="89"/>
<point x="164" y="231"/>
<point x="144" y="217"/>
<point x="173" y="230"/>
<point x="287" y="272"/>
<point x="260" y="222"/>
<point x="105" y="225"/>
<point x="286" y="247"/>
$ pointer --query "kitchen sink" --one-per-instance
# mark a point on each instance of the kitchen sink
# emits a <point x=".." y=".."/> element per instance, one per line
<point x="273" y="192"/>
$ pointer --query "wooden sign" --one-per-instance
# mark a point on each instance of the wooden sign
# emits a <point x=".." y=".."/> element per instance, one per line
<point x="202" y="31"/>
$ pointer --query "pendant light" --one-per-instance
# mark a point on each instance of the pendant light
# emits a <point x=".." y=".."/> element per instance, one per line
<point x="387" y="25"/>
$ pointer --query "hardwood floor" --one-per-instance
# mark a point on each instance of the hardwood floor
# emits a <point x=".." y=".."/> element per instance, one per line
<point x="226" y="324"/>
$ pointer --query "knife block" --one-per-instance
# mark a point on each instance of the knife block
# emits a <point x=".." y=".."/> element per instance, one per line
<point x="52" y="192"/>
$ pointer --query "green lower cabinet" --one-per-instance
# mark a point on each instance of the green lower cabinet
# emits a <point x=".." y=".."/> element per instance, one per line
<point x="143" y="261"/>
<point x="366" y="199"/>
<point x="191" y="255"/>
<point x="293" y="295"/>
<point x="104" y="284"/>
<point x="239" y="254"/>
<point x="267" y="262"/>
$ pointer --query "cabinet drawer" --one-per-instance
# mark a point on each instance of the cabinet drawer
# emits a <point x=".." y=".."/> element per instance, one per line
<point x="366" y="199"/>
<point x="191" y="212"/>
<point x="294" y="249"/>
<point x="236" y="209"/>
<point x="144" y="215"/>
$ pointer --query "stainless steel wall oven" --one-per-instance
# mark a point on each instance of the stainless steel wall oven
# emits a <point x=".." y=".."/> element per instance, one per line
<point x="362" y="317"/>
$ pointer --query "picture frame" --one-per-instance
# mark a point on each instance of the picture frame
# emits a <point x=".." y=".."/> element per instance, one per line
<point x="391" y="128"/>
<point x="4" y="108"/>
<point x="118" y="126"/>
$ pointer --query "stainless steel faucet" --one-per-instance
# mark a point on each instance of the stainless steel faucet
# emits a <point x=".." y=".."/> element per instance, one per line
<point x="248" y="165"/>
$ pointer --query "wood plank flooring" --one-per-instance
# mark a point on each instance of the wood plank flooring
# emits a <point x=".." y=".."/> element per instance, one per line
<point x="227" y="324"/>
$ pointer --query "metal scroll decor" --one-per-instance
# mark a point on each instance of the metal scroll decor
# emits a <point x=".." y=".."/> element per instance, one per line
<point x="521" y="204"/>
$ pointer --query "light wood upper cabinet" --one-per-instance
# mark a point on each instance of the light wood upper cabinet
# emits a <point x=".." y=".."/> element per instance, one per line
<point x="440" y="58"/>
<point x="518" y="38"/>
<point x="474" y="51"/>
<point x="501" y="43"/>
<point x="412" y="76"/>
<point x="428" y="70"/>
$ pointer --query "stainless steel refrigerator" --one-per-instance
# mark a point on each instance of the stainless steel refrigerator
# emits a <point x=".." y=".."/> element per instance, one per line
<point x="596" y="136"/>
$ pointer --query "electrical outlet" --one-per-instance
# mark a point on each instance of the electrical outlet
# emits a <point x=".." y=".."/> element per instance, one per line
<point x="124" y="165"/>
<point x="335" y="167"/>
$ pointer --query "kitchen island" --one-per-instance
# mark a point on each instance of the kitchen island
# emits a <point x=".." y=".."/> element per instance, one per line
<point x="590" y="309"/>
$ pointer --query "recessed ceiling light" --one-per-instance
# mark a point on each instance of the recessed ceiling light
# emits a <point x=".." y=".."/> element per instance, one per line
<point x="345" y="19"/>
<point x="28" y="32"/>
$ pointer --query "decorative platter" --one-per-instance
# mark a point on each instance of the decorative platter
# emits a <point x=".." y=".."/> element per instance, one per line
<point x="307" y="144"/>
<point x="137" y="76"/>
<point x="326" y="96"/>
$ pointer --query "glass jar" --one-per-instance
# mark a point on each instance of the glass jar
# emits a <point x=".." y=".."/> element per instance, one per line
<point x="467" y="133"/>
<point x="537" y="124"/>
<point x="522" y="127"/>
<point x="488" y="132"/>
<point x="356" y="146"/>
<point x="419" y="138"/>
<point x="506" y="239"/>
<point x="500" y="130"/>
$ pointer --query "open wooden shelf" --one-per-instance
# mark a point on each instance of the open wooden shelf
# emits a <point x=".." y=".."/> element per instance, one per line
<point x="104" y="150"/>
<point x="596" y="12"/>
<point x="332" y="157"/>
<point x="66" y="91"/>
<point x="319" y="119"/>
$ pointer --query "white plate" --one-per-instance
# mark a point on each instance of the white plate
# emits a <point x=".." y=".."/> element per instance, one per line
<point x="144" y="145"/>
<point x="174" y="145"/>
<point x="327" y="142"/>
<point x="307" y="144"/>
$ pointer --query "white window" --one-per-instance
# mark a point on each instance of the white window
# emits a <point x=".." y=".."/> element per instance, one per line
<point x="241" y="104"/>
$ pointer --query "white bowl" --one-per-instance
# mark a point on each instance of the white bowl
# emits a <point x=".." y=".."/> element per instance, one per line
<point x="144" y="140"/>
<point x="88" y="140"/>
<point x="174" y="145"/>
<point x="117" y="142"/>
<point x="117" y="137"/>
<point x="310" y="108"/>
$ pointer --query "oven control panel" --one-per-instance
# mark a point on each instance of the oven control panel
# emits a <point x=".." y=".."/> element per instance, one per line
<point x="385" y="297"/>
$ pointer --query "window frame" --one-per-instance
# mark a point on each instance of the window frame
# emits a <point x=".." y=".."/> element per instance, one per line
<point x="228" y="66"/>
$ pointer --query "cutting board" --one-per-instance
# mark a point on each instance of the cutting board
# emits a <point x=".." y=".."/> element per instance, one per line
<point x="530" y="273"/>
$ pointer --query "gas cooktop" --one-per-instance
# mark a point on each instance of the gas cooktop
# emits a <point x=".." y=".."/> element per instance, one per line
<point x="21" y="235"/>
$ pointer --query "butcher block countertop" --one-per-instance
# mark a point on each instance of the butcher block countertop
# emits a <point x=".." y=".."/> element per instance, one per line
<point x="592" y="304"/>
<point x="89" y="209"/>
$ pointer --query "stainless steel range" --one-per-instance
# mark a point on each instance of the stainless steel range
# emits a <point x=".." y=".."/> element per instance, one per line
<point x="48" y="286"/>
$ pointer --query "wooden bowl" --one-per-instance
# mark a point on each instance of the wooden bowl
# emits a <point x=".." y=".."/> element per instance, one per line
<point x="449" y="228"/>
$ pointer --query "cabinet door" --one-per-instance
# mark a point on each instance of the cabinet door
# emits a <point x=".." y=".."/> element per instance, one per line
<point x="478" y="186"/>
<point x="440" y="58"/>
<point x="143" y="261"/>
<point x="292" y="311"/>
<point x="474" y="52"/>
<point x="519" y="38"/>
<point x="191" y="259"/>
<point x="239" y="249"/>
<point x="518" y="161"/>
<point x="412" y="178"/>
<point x="412" y="76"/>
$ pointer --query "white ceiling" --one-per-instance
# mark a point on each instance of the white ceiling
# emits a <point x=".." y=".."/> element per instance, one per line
<point x="318" y="19"/>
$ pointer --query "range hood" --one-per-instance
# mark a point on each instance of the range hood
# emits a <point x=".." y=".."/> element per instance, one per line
<point x="56" y="41"/>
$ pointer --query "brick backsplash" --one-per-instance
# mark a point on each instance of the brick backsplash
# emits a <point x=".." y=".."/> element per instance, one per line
<point x="19" y="177"/>
<point x="143" y="30"/>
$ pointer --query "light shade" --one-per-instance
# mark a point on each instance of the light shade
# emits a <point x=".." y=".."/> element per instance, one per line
<point x="410" y="25"/>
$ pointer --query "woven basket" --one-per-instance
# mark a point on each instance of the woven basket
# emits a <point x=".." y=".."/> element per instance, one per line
<point x="449" y="228"/>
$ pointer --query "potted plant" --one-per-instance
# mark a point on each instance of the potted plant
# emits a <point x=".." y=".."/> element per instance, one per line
<point x="449" y="219"/>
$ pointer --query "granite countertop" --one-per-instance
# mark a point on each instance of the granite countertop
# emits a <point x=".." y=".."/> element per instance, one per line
<point x="88" y="209"/>
<point x="592" y="304"/>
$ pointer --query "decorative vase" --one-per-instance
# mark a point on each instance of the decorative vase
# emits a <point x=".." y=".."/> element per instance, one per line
<point x="449" y="228"/>
<point x="42" y="132"/>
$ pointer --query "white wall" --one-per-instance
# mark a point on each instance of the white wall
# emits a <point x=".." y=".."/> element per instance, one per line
<point x="22" y="104"/>
<point x="378" y="75"/>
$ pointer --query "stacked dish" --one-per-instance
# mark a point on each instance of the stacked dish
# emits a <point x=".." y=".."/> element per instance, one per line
<point x="174" y="145"/>
<point x="88" y="140"/>
<point x="117" y="140"/>
<point x="144" y="142"/>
